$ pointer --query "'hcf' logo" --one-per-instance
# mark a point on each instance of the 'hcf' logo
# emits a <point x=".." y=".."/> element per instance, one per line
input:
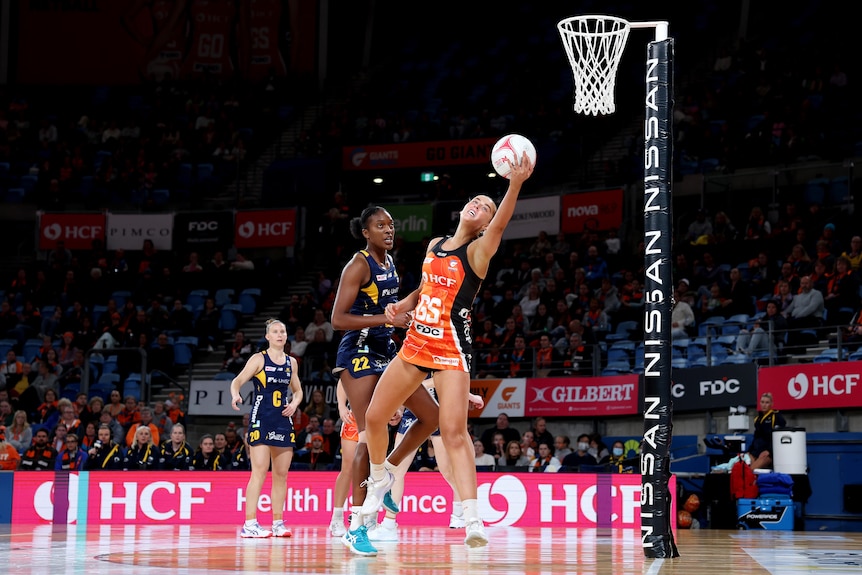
<point x="822" y="385"/>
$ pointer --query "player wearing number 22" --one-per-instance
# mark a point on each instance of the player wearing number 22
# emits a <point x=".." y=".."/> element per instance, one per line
<point x="369" y="283"/>
<point x="440" y="341"/>
<point x="271" y="437"/>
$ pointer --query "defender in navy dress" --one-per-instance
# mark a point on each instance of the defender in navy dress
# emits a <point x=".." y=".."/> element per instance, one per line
<point x="271" y="438"/>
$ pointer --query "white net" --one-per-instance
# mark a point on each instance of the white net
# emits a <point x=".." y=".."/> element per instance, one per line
<point x="594" y="45"/>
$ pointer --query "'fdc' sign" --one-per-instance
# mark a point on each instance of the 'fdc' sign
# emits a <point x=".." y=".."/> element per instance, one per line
<point x="704" y="388"/>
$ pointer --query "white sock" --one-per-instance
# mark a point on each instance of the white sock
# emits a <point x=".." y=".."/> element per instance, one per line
<point x="457" y="509"/>
<point x="356" y="519"/>
<point x="338" y="513"/>
<point x="389" y="522"/>
<point x="378" y="471"/>
<point x="278" y="522"/>
<point x="471" y="509"/>
<point x="390" y="467"/>
<point x="250" y="522"/>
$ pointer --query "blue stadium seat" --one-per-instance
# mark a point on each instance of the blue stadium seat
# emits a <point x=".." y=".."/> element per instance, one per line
<point x="248" y="299"/>
<point x="196" y="298"/>
<point x="223" y="296"/>
<point x="230" y="317"/>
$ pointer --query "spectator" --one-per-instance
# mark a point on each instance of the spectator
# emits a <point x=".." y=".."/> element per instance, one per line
<point x="130" y="414"/>
<point x="854" y="254"/>
<point x="105" y="453"/>
<point x="681" y="317"/>
<point x="118" y="435"/>
<point x="317" y="405"/>
<point x="842" y="294"/>
<point x="562" y="447"/>
<point x="595" y="267"/>
<point x="739" y="296"/>
<point x="206" y="458"/>
<point x="10" y="370"/>
<point x="548" y="359"/>
<point x="598" y="449"/>
<point x="9" y="456"/>
<point x="544" y="460"/>
<point x="19" y="434"/>
<point x="142" y="454"/>
<point x="577" y="357"/>
<point x="581" y="455"/>
<point x="482" y="459"/>
<point x="72" y="457"/>
<point x="541" y="433"/>
<point x="500" y="426"/>
<point x="180" y="319"/>
<point x="514" y="456"/>
<point x="175" y="454"/>
<point x="69" y="418"/>
<point x="768" y="420"/>
<point x="758" y="339"/>
<point x="48" y="410"/>
<point x="40" y="456"/>
<point x="207" y="325"/>
<point x="146" y="415"/>
<point x="315" y="456"/>
<point x="528" y="444"/>
<point x="238" y="353"/>
<point x="804" y="312"/>
<point x="701" y="227"/>
<point x="319" y="323"/>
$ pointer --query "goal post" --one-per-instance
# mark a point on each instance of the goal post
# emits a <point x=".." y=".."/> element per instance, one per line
<point x="594" y="45"/>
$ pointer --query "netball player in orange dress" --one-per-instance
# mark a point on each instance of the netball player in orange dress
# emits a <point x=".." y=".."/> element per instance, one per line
<point x="439" y="341"/>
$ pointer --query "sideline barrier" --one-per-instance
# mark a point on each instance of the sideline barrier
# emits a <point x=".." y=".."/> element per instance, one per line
<point x="201" y="497"/>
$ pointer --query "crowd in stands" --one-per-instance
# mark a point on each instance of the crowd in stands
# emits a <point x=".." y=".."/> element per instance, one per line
<point x="144" y="147"/>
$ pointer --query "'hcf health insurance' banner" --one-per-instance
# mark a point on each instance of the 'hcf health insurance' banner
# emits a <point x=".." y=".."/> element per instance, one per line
<point x="416" y="155"/>
<point x="265" y="228"/>
<point x="534" y="215"/>
<point x="578" y="500"/>
<point x="76" y="231"/>
<point x="804" y="386"/>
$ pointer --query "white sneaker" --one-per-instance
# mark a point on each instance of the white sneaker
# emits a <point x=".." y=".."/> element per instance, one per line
<point x="279" y="530"/>
<point x="475" y="534"/>
<point x="375" y="492"/>
<point x="337" y="528"/>
<point x="457" y="522"/>
<point x="254" y="531"/>
<point x="383" y="533"/>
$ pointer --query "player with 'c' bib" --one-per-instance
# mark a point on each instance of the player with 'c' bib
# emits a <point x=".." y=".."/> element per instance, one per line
<point x="271" y="437"/>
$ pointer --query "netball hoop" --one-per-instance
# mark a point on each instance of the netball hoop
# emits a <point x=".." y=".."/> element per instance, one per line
<point x="594" y="45"/>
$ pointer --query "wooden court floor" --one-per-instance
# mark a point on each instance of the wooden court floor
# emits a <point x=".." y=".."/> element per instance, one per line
<point x="190" y="550"/>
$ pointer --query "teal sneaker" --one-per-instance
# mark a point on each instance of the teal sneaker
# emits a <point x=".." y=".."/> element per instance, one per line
<point x="389" y="503"/>
<point x="357" y="541"/>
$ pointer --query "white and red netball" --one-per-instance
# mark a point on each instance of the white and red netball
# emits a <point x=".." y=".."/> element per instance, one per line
<point x="510" y="146"/>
